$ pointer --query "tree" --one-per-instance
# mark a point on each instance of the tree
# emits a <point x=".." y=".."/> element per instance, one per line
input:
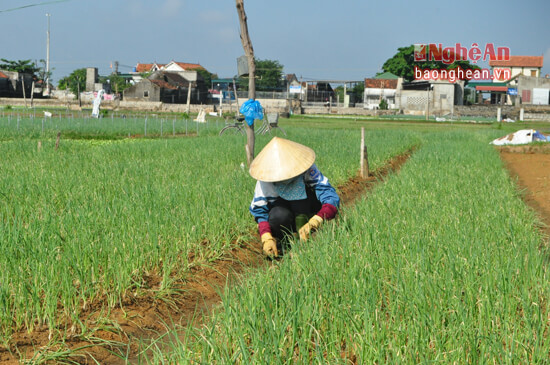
<point x="117" y="82"/>
<point x="23" y="66"/>
<point x="44" y="75"/>
<point x="270" y="75"/>
<point x="402" y="64"/>
<point x="75" y="82"/>
<point x="207" y="76"/>
<point x="356" y="92"/>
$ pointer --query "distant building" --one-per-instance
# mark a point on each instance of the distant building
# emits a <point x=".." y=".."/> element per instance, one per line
<point x="4" y="84"/>
<point x="518" y="65"/>
<point x="167" y="87"/>
<point x="523" y="84"/>
<point x="189" y="70"/>
<point x="378" y="89"/>
<point x="15" y="84"/>
<point x="432" y="97"/>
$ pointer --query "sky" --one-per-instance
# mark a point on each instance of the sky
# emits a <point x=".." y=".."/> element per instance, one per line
<point x="314" y="39"/>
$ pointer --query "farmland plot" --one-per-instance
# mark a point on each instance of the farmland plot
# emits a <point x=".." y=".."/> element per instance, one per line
<point x="440" y="264"/>
<point x="88" y="221"/>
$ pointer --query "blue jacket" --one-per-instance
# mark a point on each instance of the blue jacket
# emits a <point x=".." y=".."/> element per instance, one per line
<point x="265" y="193"/>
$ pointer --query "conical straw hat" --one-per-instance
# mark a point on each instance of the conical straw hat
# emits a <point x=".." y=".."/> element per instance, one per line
<point x="280" y="160"/>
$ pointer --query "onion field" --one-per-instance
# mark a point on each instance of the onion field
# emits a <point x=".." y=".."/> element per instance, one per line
<point x="87" y="219"/>
<point x="441" y="263"/>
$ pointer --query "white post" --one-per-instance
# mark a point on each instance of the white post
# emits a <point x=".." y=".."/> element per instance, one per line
<point x="499" y="117"/>
<point x="521" y="111"/>
<point x="188" y="97"/>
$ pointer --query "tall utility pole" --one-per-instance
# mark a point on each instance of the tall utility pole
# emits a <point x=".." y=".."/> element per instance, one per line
<point x="249" y="52"/>
<point x="48" y="56"/>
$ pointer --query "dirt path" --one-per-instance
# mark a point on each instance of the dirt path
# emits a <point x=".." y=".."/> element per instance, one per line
<point x="531" y="166"/>
<point x="145" y="317"/>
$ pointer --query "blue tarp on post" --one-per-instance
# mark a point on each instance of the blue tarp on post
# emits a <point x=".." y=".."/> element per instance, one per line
<point x="252" y="109"/>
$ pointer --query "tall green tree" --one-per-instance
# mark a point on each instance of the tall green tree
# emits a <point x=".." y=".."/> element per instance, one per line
<point x="402" y="64"/>
<point x="76" y="81"/>
<point x="269" y="76"/>
<point x="117" y="82"/>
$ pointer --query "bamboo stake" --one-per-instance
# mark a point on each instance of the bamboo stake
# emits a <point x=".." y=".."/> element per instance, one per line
<point x="364" y="156"/>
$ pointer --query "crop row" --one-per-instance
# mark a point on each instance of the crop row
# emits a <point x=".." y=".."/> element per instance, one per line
<point x="441" y="263"/>
<point x="87" y="221"/>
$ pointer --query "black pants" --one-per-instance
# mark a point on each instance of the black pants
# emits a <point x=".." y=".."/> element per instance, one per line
<point x="283" y="213"/>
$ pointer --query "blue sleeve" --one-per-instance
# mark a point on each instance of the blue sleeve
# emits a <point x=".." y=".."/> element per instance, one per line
<point x="323" y="190"/>
<point x="264" y="195"/>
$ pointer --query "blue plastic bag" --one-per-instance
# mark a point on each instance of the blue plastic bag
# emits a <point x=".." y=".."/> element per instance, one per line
<point x="252" y="109"/>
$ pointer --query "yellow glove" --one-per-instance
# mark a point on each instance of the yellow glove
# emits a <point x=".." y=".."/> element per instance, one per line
<point x="313" y="225"/>
<point x="269" y="245"/>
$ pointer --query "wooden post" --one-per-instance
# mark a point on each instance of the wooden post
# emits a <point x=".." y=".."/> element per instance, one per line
<point x="188" y="98"/>
<point x="57" y="140"/>
<point x="24" y="93"/>
<point x="364" y="156"/>
<point x="249" y="51"/>
<point x="32" y="94"/>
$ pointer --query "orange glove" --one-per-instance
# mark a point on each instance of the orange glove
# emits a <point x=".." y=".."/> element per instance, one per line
<point x="313" y="225"/>
<point x="269" y="245"/>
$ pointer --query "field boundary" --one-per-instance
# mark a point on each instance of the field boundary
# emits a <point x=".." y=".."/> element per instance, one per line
<point x="135" y="320"/>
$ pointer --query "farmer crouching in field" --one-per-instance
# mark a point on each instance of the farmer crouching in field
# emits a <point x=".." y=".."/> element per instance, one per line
<point x="291" y="194"/>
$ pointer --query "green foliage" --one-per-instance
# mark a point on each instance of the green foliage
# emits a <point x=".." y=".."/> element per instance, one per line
<point x="23" y="66"/>
<point x="269" y="76"/>
<point x="75" y="82"/>
<point x="383" y="104"/>
<point x="207" y="76"/>
<point x="118" y="83"/>
<point x="356" y="92"/>
<point x="402" y="64"/>
<point x="339" y="93"/>
<point x="440" y="257"/>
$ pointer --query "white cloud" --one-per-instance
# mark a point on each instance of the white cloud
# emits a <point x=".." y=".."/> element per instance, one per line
<point x="213" y="16"/>
<point x="171" y="8"/>
<point x="227" y="34"/>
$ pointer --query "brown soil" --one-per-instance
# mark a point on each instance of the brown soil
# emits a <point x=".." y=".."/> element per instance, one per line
<point x="146" y="316"/>
<point x="530" y="165"/>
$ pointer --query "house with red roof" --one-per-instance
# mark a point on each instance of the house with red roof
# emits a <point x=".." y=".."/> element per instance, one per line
<point x="188" y="70"/>
<point x="379" y="88"/>
<point x="517" y="65"/>
<point x="167" y="87"/>
<point x="524" y="85"/>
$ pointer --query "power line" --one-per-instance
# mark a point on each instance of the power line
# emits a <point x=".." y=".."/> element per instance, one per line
<point x="31" y="5"/>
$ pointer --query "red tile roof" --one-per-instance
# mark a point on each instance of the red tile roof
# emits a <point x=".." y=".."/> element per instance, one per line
<point x="380" y="84"/>
<point x="3" y="75"/>
<point x="189" y="66"/>
<point x="146" y="67"/>
<point x="519" y="61"/>
<point x="163" y="84"/>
